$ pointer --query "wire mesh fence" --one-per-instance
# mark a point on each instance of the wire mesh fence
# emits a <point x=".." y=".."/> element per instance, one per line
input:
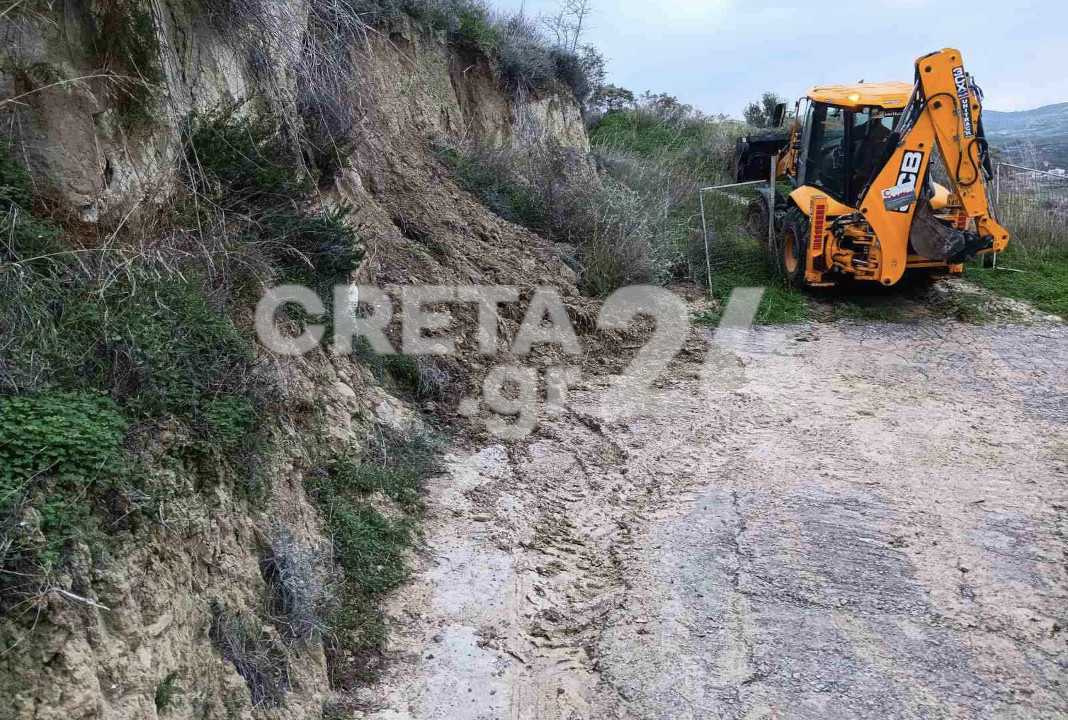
<point x="736" y="243"/>
<point x="1033" y="205"/>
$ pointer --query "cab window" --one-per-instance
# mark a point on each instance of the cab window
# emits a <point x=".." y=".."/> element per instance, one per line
<point x="825" y="161"/>
<point x="870" y="130"/>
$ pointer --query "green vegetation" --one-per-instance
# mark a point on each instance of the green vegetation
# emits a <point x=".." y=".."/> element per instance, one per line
<point x="489" y="174"/>
<point x="124" y="38"/>
<point x="167" y="691"/>
<point x="640" y="133"/>
<point x="664" y="150"/>
<point x="1042" y="280"/>
<point x="245" y="167"/>
<point x="101" y="342"/>
<point x="761" y="114"/>
<point x="369" y="542"/>
<point x="423" y="377"/>
<point x="54" y="449"/>
<point x="641" y="222"/>
<point x="779" y="305"/>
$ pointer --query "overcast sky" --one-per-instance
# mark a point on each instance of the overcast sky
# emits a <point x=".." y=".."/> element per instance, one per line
<point x="720" y="54"/>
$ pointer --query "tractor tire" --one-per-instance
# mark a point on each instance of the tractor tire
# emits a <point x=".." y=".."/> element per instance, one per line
<point x="757" y="220"/>
<point x="792" y="247"/>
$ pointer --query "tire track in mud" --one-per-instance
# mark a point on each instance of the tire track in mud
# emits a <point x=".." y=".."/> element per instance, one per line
<point x="858" y="522"/>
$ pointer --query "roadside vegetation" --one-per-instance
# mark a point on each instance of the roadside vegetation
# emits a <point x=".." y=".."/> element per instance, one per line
<point x="690" y="150"/>
<point x="373" y="505"/>
<point x="117" y="334"/>
<point x="1041" y="280"/>
<point x="640" y="222"/>
<point x="1034" y="267"/>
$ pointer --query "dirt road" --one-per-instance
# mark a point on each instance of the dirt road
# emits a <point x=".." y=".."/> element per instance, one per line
<point x="854" y="521"/>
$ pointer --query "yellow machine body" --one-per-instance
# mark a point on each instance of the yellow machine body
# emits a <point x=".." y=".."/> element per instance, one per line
<point x="888" y="217"/>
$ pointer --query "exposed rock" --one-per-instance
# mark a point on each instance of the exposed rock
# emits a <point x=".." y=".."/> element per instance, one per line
<point x="161" y="582"/>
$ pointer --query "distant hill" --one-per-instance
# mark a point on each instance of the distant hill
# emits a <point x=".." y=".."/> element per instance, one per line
<point x="1036" y="137"/>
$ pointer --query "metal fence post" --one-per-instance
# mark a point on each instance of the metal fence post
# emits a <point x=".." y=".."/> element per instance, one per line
<point x="704" y="230"/>
<point x="997" y="208"/>
<point x="997" y="189"/>
<point x="771" y="202"/>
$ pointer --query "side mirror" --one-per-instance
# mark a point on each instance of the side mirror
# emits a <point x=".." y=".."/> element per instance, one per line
<point x="779" y="115"/>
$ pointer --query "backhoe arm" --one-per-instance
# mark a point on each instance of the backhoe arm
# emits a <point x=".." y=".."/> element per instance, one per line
<point x="944" y="111"/>
<point x="954" y="105"/>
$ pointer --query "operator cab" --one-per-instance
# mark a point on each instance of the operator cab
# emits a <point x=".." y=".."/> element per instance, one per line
<point x="841" y="147"/>
<point x="842" y="134"/>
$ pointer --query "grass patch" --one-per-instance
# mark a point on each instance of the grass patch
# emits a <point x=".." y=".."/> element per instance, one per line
<point x="780" y="305"/>
<point x="1043" y="282"/>
<point x="370" y="542"/>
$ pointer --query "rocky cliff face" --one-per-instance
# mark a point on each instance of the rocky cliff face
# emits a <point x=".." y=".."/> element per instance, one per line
<point x="110" y="633"/>
<point x="69" y="107"/>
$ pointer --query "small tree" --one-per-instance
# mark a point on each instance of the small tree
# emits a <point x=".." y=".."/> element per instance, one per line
<point x="666" y="107"/>
<point x="581" y="66"/>
<point x="570" y="23"/>
<point x="612" y="98"/>
<point x="761" y="114"/>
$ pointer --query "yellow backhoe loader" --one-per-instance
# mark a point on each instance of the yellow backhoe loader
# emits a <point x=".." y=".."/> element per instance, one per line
<point x="860" y="161"/>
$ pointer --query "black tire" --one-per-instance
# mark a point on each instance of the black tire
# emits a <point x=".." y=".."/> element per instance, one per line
<point x="791" y="247"/>
<point x="757" y="220"/>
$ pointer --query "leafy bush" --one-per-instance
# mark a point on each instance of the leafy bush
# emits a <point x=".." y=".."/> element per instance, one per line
<point x="61" y="434"/>
<point x="167" y="690"/>
<point x="53" y="448"/>
<point x="246" y="167"/>
<point x="244" y="162"/>
<point x="760" y="114"/>
<point x="475" y="31"/>
<point x="370" y="545"/>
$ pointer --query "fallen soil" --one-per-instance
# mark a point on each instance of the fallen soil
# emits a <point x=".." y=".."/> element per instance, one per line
<point x="846" y="520"/>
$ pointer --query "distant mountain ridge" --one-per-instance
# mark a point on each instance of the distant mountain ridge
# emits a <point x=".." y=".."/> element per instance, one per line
<point x="1036" y="137"/>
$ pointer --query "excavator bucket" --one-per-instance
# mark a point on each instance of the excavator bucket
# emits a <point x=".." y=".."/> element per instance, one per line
<point x="932" y="238"/>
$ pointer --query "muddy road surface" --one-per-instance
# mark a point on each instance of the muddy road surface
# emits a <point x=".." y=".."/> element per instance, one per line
<point x="847" y="521"/>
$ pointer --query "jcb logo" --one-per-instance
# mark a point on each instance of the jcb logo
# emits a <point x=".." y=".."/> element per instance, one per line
<point x="909" y="174"/>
